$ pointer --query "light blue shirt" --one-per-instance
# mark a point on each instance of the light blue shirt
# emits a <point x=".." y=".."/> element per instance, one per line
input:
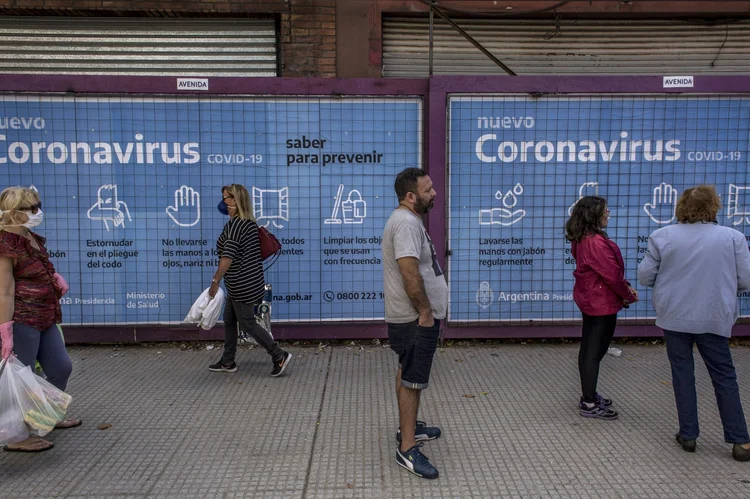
<point x="696" y="271"/>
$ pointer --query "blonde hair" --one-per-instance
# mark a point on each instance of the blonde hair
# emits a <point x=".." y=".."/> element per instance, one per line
<point x="698" y="204"/>
<point x="241" y="200"/>
<point x="14" y="200"/>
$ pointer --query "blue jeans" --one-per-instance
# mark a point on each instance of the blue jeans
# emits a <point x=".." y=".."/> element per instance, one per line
<point x="48" y="347"/>
<point x="715" y="352"/>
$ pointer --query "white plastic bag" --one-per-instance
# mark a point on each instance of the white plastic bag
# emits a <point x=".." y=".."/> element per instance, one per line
<point x="205" y="311"/>
<point x="13" y="428"/>
<point x="31" y="393"/>
<point x="56" y="398"/>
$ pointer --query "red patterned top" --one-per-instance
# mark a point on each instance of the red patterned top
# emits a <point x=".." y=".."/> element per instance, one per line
<point x="36" y="302"/>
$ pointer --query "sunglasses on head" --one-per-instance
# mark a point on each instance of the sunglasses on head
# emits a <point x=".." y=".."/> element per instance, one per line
<point x="33" y="209"/>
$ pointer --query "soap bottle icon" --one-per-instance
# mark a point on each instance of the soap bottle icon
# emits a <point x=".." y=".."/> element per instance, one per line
<point x="354" y="209"/>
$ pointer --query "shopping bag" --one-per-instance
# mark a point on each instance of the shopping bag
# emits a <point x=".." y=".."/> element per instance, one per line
<point x="57" y="399"/>
<point x="205" y="310"/>
<point x="195" y="314"/>
<point x="13" y="428"/>
<point x="31" y="392"/>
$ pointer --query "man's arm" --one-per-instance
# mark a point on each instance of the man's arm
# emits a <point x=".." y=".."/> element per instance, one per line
<point x="414" y="286"/>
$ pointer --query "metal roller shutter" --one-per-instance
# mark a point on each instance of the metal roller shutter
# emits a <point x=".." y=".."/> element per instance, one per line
<point x="577" y="47"/>
<point x="180" y="47"/>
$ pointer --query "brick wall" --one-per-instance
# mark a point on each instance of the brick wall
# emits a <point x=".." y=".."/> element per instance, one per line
<point x="308" y="38"/>
<point x="307" y="27"/>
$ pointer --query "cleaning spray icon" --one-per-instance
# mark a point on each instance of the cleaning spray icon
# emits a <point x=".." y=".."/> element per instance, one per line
<point x="353" y="210"/>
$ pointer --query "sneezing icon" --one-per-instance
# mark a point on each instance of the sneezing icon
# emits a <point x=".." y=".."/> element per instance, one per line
<point x="353" y="209"/>
<point x="738" y="204"/>
<point x="271" y="205"/>
<point x="504" y="216"/>
<point x="108" y="208"/>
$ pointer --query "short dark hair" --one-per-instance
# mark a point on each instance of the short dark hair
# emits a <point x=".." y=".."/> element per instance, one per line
<point x="406" y="182"/>
<point x="698" y="204"/>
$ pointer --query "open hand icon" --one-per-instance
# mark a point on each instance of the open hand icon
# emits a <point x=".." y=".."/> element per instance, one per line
<point x="186" y="211"/>
<point x="661" y="209"/>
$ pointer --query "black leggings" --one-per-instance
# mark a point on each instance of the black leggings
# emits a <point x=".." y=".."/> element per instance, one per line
<point x="597" y="333"/>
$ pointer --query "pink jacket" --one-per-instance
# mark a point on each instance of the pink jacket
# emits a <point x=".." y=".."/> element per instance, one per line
<point x="600" y="286"/>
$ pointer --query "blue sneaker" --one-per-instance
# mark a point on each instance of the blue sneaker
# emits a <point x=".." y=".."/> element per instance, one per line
<point x="416" y="462"/>
<point x="423" y="433"/>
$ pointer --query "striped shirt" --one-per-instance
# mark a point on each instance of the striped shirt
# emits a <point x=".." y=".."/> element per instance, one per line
<point x="244" y="279"/>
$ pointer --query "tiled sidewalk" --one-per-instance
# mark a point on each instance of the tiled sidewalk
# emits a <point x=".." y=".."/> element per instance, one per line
<point x="327" y="429"/>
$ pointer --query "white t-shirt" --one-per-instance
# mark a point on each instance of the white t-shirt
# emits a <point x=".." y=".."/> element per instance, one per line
<point x="405" y="236"/>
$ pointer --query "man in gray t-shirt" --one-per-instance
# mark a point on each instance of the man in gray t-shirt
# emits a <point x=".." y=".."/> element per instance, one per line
<point x="416" y="299"/>
<point x="405" y="237"/>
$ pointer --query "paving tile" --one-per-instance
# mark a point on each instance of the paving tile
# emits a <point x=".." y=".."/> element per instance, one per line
<point x="327" y="430"/>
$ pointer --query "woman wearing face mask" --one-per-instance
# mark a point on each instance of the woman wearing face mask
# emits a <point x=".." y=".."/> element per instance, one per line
<point x="600" y="292"/>
<point x="241" y="267"/>
<point x="30" y="292"/>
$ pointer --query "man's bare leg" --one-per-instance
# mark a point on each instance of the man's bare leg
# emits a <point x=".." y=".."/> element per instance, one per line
<point x="408" y="407"/>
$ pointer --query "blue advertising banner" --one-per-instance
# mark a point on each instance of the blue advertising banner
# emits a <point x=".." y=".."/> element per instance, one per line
<point x="517" y="165"/>
<point x="130" y="186"/>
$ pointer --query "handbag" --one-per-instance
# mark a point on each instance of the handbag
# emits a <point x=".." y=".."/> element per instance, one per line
<point x="269" y="245"/>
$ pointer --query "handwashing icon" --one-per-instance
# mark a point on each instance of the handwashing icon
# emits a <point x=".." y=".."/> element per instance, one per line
<point x="504" y="216"/>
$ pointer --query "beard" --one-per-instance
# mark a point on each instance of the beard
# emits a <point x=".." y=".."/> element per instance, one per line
<point x="422" y="207"/>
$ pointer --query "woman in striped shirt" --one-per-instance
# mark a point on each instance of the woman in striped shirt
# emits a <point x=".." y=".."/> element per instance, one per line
<point x="241" y="267"/>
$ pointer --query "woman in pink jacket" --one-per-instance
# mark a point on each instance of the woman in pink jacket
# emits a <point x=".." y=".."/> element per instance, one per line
<point x="600" y="292"/>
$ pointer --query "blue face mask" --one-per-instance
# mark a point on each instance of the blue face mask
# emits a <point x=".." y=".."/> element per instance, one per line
<point x="223" y="208"/>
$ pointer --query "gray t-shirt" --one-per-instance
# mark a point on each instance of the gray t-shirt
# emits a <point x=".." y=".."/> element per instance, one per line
<point x="405" y="236"/>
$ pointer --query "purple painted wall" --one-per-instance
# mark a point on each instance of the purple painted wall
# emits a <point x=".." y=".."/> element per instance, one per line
<point x="435" y="92"/>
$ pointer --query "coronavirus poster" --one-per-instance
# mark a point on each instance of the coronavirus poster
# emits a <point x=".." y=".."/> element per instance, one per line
<point x="130" y="186"/>
<point x="518" y="165"/>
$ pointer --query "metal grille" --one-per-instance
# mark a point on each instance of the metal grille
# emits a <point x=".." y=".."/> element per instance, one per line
<point x="180" y="47"/>
<point x="574" y="47"/>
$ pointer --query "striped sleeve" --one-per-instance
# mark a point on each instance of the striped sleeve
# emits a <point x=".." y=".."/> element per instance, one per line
<point x="234" y="239"/>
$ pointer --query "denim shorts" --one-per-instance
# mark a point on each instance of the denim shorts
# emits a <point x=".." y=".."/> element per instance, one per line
<point x="415" y="346"/>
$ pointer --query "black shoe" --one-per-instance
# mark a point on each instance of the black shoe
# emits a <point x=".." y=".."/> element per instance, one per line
<point x="416" y="462"/>
<point x="687" y="445"/>
<point x="422" y="433"/>
<point x="280" y="366"/>
<point x="740" y="454"/>
<point x="601" y="401"/>
<point x="597" y="411"/>
<point x="223" y="368"/>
